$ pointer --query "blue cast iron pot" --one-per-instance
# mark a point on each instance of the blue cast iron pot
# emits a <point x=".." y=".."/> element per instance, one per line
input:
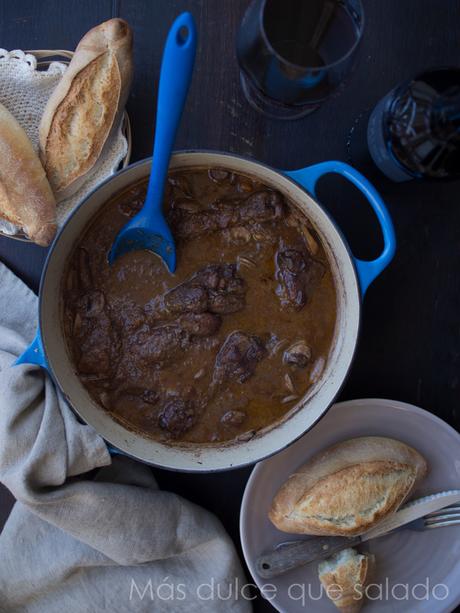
<point x="352" y="278"/>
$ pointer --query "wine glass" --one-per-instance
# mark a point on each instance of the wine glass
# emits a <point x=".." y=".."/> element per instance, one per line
<point x="294" y="53"/>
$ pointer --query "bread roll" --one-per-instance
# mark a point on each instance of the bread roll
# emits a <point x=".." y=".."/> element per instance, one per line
<point x="345" y="577"/>
<point x="87" y="105"/>
<point x="26" y="198"/>
<point x="348" y="488"/>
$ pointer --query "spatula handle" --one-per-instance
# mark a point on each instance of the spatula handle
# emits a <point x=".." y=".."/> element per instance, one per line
<point x="175" y="76"/>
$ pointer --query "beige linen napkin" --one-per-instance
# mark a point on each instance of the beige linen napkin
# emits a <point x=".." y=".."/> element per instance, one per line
<point x="74" y="543"/>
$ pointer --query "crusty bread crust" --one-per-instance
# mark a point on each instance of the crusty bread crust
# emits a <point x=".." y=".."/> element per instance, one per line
<point x="87" y="105"/>
<point x="26" y="198"/>
<point x="345" y="578"/>
<point x="348" y="488"/>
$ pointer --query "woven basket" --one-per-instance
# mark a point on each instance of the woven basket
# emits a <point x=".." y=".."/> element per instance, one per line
<point x="44" y="59"/>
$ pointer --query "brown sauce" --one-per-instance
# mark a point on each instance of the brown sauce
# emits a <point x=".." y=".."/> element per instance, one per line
<point x="228" y="344"/>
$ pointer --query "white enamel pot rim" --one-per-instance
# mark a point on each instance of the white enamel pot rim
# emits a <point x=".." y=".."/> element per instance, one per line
<point x="203" y="458"/>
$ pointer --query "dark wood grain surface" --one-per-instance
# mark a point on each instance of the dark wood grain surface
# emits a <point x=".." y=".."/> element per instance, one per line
<point x="410" y="341"/>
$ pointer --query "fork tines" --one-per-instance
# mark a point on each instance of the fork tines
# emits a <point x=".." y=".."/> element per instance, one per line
<point x="448" y="516"/>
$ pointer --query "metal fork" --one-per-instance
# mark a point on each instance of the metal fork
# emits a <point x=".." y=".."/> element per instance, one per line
<point x="448" y="516"/>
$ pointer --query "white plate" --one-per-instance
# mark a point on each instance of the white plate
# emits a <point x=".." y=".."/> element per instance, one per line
<point x="409" y="558"/>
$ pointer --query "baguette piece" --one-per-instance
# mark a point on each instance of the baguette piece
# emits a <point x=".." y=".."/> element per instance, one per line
<point x="87" y="105"/>
<point x="26" y="198"/>
<point x="345" y="577"/>
<point x="348" y="488"/>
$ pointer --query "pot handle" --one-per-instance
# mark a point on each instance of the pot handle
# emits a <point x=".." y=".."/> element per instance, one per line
<point x="308" y="178"/>
<point x="34" y="354"/>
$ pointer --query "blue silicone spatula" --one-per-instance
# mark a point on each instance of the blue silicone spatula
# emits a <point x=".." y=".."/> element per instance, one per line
<point x="148" y="229"/>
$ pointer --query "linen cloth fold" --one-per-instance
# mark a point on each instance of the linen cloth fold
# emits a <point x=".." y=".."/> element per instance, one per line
<point x="82" y="543"/>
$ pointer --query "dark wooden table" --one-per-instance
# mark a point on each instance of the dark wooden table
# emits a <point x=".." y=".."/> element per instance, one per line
<point x="410" y="340"/>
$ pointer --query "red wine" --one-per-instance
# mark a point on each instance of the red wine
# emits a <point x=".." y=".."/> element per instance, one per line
<point x="309" y="34"/>
<point x="414" y="132"/>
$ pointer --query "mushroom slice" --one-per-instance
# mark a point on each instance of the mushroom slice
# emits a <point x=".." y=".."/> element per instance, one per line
<point x="317" y="370"/>
<point x="290" y="398"/>
<point x="289" y="384"/>
<point x="311" y="243"/>
<point x="298" y="354"/>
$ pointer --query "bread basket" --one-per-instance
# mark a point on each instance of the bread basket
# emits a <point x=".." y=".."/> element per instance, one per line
<point x="44" y="58"/>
